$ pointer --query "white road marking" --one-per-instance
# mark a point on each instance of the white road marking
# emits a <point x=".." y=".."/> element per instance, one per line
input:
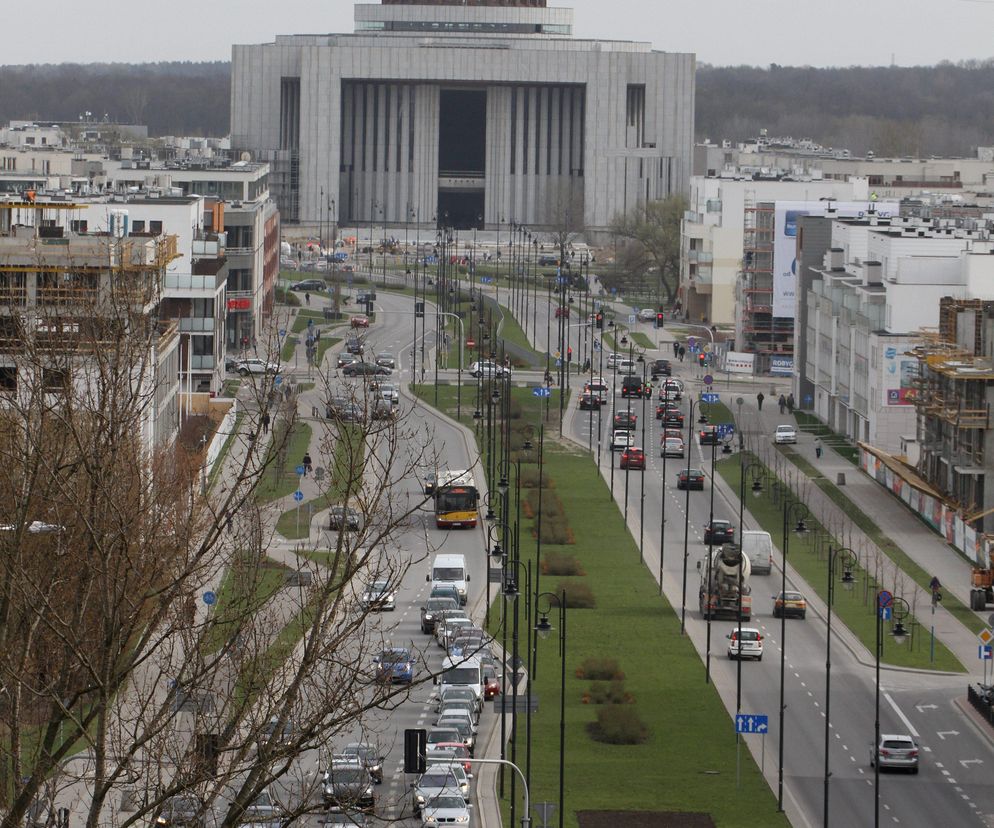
<point x="901" y="716"/>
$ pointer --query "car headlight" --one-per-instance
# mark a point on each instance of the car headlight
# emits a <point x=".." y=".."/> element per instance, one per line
<point x="462" y="591"/>
<point x="419" y="798"/>
<point x="462" y="818"/>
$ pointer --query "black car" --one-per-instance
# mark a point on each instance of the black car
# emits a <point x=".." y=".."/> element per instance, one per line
<point x="632" y="387"/>
<point x="347" y="784"/>
<point x="355" y="346"/>
<point x="708" y="435"/>
<point x="718" y="532"/>
<point x="365" y="369"/>
<point x="626" y="420"/>
<point x="345" y="358"/>
<point x="432" y="607"/>
<point x="588" y="402"/>
<point x="343" y="516"/>
<point x="309" y="284"/>
<point x="690" y="479"/>
<point x="672" y="418"/>
<point x="545" y="260"/>
<point x="661" y="368"/>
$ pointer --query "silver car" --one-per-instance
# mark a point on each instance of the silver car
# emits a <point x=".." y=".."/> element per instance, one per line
<point x="896" y="751"/>
<point x="431" y="783"/>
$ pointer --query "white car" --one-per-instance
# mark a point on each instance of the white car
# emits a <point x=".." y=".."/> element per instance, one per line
<point x="446" y="808"/>
<point x="612" y="360"/>
<point x="672" y="389"/>
<point x="626" y="367"/>
<point x="379" y="596"/>
<point x="386" y="391"/>
<point x="751" y="645"/>
<point x="488" y="370"/>
<point x="622" y="438"/>
<point x="256" y="366"/>
<point x="647" y="315"/>
<point x="785" y="434"/>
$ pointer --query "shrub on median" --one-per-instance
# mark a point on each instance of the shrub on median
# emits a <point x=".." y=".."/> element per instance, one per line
<point x="618" y="724"/>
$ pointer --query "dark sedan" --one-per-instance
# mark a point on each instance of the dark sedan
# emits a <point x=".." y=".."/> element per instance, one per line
<point x="588" y="402"/>
<point x="365" y="369"/>
<point x="309" y="284"/>
<point x="340" y="517"/>
<point x="626" y="419"/>
<point x="708" y="435"/>
<point x="719" y="532"/>
<point x="690" y="479"/>
<point x="661" y="368"/>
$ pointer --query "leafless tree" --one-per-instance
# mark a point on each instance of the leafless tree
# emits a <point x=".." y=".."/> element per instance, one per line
<point x="119" y="688"/>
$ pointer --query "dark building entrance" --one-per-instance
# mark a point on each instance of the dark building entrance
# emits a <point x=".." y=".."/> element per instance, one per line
<point x="462" y="144"/>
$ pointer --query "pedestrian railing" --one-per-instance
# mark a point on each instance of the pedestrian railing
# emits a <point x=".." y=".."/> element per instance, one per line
<point x="980" y="703"/>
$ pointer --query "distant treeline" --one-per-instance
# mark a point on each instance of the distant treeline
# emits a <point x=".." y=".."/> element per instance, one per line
<point x="171" y="98"/>
<point x="921" y="110"/>
<point x="924" y="110"/>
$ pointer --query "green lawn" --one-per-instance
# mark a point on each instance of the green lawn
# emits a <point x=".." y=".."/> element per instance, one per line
<point x="279" y="481"/>
<point x="643" y="340"/>
<point x="289" y="346"/>
<point x="717" y="412"/>
<point x="245" y="588"/>
<point x="920" y="576"/>
<point x="230" y="387"/>
<point x="812" y="425"/>
<point x="855" y="608"/>
<point x="676" y="769"/>
<point x="512" y="332"/>
<point x="348" y="453"/>
<point x="303" y="317"/>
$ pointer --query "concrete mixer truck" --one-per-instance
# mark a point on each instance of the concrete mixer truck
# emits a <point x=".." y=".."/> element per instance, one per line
<point x="720" y="579"/>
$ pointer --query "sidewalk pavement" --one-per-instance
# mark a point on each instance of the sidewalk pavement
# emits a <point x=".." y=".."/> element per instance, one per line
<point x="918" y="541"/>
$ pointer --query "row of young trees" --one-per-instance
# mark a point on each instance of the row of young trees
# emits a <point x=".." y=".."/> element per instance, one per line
<point x="119" y="688"/>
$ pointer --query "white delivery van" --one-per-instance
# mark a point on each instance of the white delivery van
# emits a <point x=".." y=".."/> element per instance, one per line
<point x="758" y="547"/>
<point x="450" y="568"/>
<point x="461" y="672"/>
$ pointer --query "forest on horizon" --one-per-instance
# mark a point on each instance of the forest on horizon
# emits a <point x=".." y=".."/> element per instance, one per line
<point x="947" y="109"/>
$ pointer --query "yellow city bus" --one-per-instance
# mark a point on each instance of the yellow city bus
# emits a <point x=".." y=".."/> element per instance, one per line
<point x="456" y="499"/>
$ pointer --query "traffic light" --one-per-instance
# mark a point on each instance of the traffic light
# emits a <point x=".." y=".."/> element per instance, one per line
<point x="415" y="750"/>
<point x="660" y="319"/>
<point x="701" y="359"/>
<point x="599" y="321"/>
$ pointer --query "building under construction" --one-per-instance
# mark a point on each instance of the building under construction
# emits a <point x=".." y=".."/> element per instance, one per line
<point x="73" y="303"/>
<point x="953" y="396"/>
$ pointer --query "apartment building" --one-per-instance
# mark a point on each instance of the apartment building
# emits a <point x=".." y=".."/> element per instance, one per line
<point x="878" y="288"/>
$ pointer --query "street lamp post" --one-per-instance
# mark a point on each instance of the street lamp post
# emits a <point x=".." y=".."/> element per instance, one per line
<point x="849" y="562"/>
<point x="792" y="510"/>
<point x="544" y="628"/>
<point x="900" y="610"/>
<point x="686" y="522"/>
<point x="756" y="471"/>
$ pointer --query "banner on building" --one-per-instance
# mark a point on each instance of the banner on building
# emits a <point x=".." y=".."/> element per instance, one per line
<point x="900" y="373"/>
<point x="737" y="362"/>
<point x="782" y="366"/>
<point x="786" y="215"/>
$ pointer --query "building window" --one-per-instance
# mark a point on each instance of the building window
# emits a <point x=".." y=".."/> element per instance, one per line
<point x="54" y="380"/>
<point x="155" y="227"/>
<point x="8" y="378"/>
<point x="138" y="226"/>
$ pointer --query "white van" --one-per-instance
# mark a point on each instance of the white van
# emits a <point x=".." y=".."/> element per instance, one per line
<point x="758" y="546"/>
<point x="461" y="672"/>
<point x="450" y="568"/>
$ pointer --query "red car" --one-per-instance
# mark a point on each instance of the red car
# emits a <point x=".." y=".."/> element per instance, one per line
<point x="562" y="310"/>
<point x="491" y="684"/>
<point x="461" y="752"/>
<point x="360" y="321"/>
<point x="633" y="458"/>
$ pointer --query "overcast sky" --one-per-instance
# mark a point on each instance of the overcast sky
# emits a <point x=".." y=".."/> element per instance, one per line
<point x="722" y="32"/>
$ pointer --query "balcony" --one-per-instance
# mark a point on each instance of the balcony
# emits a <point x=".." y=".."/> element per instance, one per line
<point x="195" y="324"/>
<point x="703" y="256"/>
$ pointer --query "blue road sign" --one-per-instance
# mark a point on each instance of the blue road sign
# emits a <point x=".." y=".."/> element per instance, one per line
<point x="559" y="363"/>
<point x="710" y="397"/>
<point x="431" y="260"/>
<point x="985" y="652"/>
<point x="299" y="470"/>
<point x="282" y="332"/>
<point x="808" y="399"/>
<point x="278" y="380"/>
<point x="631" y="319"/>
<point x="486" y="279"/>
<point x="708" y="379"/>
<point x="694" y="348"/>
<point x="725" y="429"/>
<point x="210" y="598"/>
<point x="541" y="391"/>
<point x="298" y="495"/>
<point x="310" y="322"/>
<point x="884" y="598"/>
<point x="885" y="613"/>
<point x="597" y="345"/>
<point x="752" y="723"/>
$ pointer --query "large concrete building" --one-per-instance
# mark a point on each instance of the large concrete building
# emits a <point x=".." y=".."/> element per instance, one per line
<point x="472" y="115"/>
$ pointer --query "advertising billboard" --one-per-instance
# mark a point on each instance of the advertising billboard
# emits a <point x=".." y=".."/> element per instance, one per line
<point x="786" y="214"/>
<point x="900" y="373"/>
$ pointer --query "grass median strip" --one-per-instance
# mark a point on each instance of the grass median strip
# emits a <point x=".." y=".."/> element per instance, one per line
<point x="919" y="575"/>
<point x="511" y="330"/>
<point x="677" y="769"/>
<point x="280" y="478"/>
<point x="855" y="608"/>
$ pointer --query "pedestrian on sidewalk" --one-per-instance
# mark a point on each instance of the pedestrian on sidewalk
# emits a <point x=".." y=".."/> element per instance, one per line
<point x="759" y="399"/>
<point x="818" y="447"/>
<point x="683" y="353"/>
<point x="307" y="463"/>
<point x="265" y="422"/>
<point x="676" y="348"/>
<point x="783" y="403"/>
<point x="790" y="402"/>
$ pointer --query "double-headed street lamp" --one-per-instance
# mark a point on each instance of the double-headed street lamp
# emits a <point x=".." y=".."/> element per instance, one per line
<point x="543" y="628"/>
<point x="896" y="607"/>
<point x="512" y="569"/>
<point x="756" y="471"/>
<point x="849" y="562"/>
<point x="793" y="510"/>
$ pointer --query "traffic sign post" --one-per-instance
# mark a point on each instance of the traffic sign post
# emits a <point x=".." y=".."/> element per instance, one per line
<point x="210" y="598"/>
<point x="751" y="723"/>
<point x="710" y="398"/>
<point x="541" y="391"/>
<point x="299" y="496"/>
